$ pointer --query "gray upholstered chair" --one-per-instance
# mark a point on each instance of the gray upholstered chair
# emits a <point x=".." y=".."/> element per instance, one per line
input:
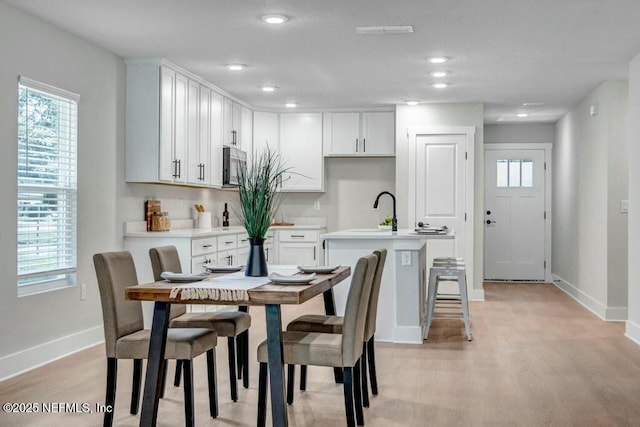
<point x="328" y="349"/>
<point x="126" y="338"/>
<point x="231" y="324"/>
<point x="333" y="325"/>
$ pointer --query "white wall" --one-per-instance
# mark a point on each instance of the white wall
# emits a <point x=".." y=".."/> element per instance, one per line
<point x="38" y="328"/>
<point x="590" y="175"/>
<point x="514" y="133"/>
<point x="471" y="114"/>
<point x="633" y="322"/>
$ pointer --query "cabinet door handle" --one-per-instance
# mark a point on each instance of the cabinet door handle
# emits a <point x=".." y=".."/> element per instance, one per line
<point x="356" y="145"/>
<point x="175" y="169"/>
<point x="228" y="243"/>
<point x="179" y="168"/>
<point x="364" y="144"/>
<point x="314" y="253"/>
<point x="206" y="246"/>
<point x="267" y="254"/>
<point x="297" y="236"/>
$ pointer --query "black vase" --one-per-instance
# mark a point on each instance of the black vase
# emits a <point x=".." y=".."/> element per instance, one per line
<point x="256" y="263"/>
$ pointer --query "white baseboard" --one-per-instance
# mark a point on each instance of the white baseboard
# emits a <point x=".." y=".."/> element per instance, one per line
<point x="632" y="331"/>
<point x="476" y="295"/>
<point x="34" y="357"/>
<point x="587" y="301"/>
<point x="609" y="314"/>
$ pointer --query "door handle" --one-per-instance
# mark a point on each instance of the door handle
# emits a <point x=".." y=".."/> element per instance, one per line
<point x="489" y="222"/>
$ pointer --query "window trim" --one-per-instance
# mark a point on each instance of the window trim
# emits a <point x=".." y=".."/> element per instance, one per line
<point x="71" y="279"/>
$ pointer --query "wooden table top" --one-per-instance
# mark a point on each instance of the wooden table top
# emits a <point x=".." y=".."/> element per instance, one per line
<point x="265" y="294"/>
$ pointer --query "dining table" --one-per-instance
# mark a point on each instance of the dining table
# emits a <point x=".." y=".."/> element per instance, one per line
<point x="270" y="295"/>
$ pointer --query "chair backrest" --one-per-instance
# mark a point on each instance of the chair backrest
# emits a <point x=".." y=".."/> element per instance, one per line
<point x="115" y="272"/>
<point x="166" y="258"/>
<point x="355" y="314"/>
<point x="372" y="311"/>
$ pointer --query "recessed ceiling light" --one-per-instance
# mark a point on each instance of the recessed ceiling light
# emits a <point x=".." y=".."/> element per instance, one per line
<point x="438" y="59"/>
<point x="236" y="67"/>
<point x="412" y="103"/>
<point x="275" y="19"/>
<point x="440" y="85"/>
<point x="268" y="88"/>
<point x="439" y="73"/>
<point x="522" y="115"/>
<point x="291" y="105"/>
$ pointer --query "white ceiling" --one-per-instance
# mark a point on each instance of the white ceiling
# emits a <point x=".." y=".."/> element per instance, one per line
<point x="503" y="52"/>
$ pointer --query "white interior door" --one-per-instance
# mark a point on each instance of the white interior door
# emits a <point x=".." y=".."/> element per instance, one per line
<point x="441" y="184"/>
<point x="514" y="215"/>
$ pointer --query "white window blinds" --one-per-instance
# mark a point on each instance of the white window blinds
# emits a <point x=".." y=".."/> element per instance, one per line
<point x="47" y="186"/>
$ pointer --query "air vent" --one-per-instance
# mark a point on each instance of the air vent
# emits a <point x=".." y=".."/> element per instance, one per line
<point x="386" y="29"/>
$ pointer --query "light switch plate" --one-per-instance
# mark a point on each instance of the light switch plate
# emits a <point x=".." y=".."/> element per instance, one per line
<point x="624" y="206"/>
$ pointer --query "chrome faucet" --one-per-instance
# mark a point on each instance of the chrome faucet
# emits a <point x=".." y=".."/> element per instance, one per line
<point x="394" y="220"/>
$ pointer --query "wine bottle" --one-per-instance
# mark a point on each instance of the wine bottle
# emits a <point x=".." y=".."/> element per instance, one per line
<point x="225" y="216"/>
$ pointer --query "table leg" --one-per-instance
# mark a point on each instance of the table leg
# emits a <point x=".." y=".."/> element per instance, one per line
<point x="276" y="365"/>
<point x="330" y="310"/>
<point x="155" y="365"/>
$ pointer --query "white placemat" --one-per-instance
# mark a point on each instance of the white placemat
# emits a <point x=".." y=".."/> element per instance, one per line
<point x="229" y="287"/>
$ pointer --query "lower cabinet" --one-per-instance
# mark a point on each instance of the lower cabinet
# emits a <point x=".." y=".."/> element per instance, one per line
<point x="299" y="247"/>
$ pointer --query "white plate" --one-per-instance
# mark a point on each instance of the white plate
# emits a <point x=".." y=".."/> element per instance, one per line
<point x="322" y="269"/>
<point x="384" y="227"/>
<point x="298" y="279"/>
<point x="223" y="268"/>
<point x="183" y="277"/>
<point x="430" y="231"/>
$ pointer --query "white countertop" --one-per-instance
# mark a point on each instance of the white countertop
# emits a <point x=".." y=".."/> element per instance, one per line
<point x="211" y="232"/>
<point x="376" y="234"/>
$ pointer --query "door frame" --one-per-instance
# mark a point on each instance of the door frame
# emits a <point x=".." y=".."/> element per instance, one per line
<point x="476" y="291"/>
<point x="547" y="147"/>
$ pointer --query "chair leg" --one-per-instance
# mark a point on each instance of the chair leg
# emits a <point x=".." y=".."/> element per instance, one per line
<point x="348" y="395"/>
<point x="363" y="368"/>
<point x="176" y="378"/>
<point x="262" y="395"/>
<point x="371" y="356"/>
<point x="135" y="386"/>
<point x="245" y="361"/>
<point x="232" y="369"/>
<point x="164" y="378"/>
<point x="303" y="377"/>
<point x="357" y="393"/>
<point x="110" y="398"/>
<point x="291" y="374"/>
<point x="188" y="393"/>
<point x="239" y="345"/>
<point x="212" y="380"/>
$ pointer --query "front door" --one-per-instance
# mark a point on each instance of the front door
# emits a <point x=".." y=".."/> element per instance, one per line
<point x="514" y="215"/>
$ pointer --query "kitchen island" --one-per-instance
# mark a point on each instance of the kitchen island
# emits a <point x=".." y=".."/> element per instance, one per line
<point x="402" y="302"/>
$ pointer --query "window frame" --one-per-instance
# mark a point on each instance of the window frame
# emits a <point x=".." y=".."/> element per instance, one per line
<point x="69" y="190"/>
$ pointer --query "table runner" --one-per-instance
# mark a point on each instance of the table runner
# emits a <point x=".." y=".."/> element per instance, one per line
<point x="230" y="287"/>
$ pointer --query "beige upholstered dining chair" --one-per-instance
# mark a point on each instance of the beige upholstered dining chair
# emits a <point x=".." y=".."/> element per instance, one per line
<point x="231" y="324"/>
<point x="333" y="325"/>
<point x="328" y="349"/>
<point x="126" y="338"/>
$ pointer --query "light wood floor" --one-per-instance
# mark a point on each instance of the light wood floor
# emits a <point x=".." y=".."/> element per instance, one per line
<point x="538" y="358"/>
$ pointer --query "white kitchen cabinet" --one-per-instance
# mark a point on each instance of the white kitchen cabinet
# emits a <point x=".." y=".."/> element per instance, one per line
<point x="299" y="247"/>
<point x="173" y="123"/>
<point x="216" y="144"/>
<point x="237" y="125"/>
<point x="360" y="134"/>
<point x="301" y="150"/>
<point x="266" y="131"/>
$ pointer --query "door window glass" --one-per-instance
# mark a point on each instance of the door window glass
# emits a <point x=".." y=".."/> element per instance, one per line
<point x="514" y="173"/>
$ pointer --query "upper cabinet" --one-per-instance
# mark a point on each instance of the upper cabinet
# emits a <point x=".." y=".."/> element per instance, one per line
<point x="237" y="125"/>
<point x="266" y="131"/>
<point x="301" y="149"/>
<point x="176" y="124"/>
<point x="357" y="134"/>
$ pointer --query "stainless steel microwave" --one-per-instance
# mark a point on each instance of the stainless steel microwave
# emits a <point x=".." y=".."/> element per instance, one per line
<point x="232" y="160"/>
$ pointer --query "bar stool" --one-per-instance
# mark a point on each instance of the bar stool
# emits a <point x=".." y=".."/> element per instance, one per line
<point x="448" y="270"/>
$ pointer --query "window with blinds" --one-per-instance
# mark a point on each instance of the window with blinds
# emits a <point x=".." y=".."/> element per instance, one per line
<point x="47" y="187"/>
